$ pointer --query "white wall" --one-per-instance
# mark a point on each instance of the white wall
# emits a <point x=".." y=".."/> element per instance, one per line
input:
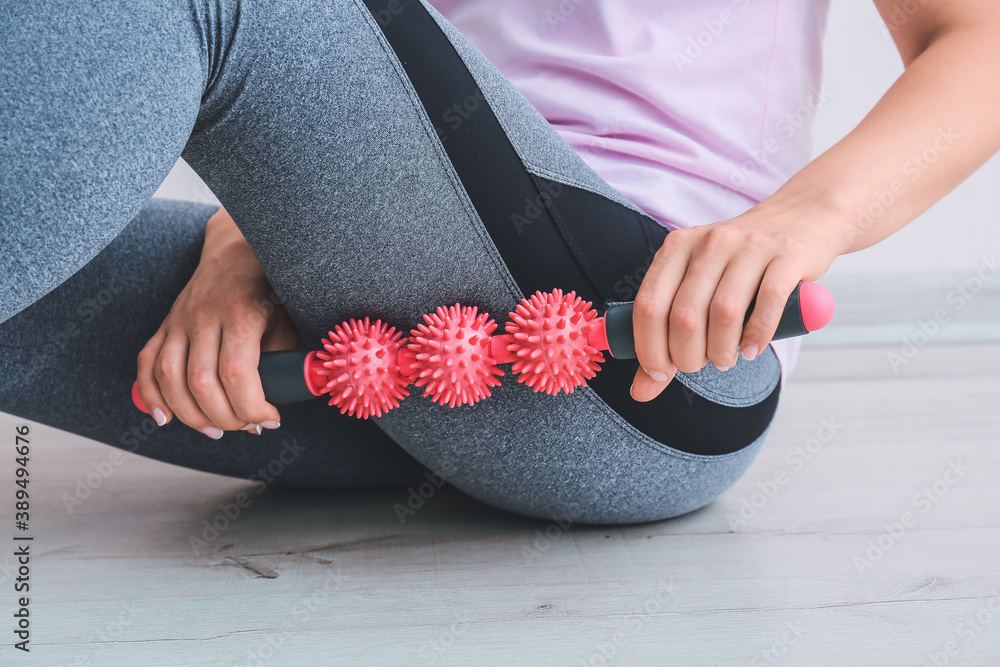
<point x="860" y="64"/>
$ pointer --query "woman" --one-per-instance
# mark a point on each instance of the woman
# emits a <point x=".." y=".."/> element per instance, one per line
<point x="372" y="161"/>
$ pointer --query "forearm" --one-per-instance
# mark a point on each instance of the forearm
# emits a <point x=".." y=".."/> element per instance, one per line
<point x="201" y="363"/>
<point x="224" y="242"/>
<point x="936" y="125"/>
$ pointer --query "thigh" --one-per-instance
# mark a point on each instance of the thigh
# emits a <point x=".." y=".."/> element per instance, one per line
<point x="363" y="192"/>
<point x="400" y="212"/>
<point x="68" y="359"/>
<point x="313" y="134"/>
<point x="558" y="225"/>
<point x="98" y="100"/>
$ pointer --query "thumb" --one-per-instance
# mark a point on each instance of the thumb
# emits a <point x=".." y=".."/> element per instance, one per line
<point x="280" y="334"/>
<point x="645" y="388"/>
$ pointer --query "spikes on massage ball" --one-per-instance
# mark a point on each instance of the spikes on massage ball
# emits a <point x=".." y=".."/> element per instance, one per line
<point x="548" y="335"/>
<point x="451" y="349"/>
<point x="359" y="360"/>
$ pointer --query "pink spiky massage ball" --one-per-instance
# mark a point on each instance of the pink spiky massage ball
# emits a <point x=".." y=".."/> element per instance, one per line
<point x="550" y="338"/>
<point x="359" y="359"/>
<point x="452" y="352"/>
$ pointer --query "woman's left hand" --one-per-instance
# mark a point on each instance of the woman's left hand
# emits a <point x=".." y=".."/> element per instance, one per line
<point x="690" y="307"/>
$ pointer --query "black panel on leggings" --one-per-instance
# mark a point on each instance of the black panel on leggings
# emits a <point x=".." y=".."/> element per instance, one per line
<point x="574" y="239"/>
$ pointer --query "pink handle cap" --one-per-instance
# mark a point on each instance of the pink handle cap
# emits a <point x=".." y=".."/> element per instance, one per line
<point x="816" y="304"/>
<point x="135" y="397"/>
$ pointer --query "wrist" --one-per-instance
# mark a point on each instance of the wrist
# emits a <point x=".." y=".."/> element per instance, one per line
<point x="823" y="221"/>
<point x="826" y="216"/>
<point x="225" y="242"/>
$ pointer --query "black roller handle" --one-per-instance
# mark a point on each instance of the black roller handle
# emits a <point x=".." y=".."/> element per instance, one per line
<point x="282" y="374"/>
<point x="621" y="335"/>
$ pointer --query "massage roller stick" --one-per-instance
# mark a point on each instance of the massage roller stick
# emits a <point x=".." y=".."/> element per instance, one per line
<point x="553" y="340"/>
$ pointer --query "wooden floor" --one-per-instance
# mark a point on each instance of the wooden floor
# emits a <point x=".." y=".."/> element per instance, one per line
<point x="806" y="561"/>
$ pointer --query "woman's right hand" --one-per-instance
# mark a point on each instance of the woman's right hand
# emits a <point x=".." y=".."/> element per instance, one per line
<point x="691" y="304"/>
<point x="201" y="365"/>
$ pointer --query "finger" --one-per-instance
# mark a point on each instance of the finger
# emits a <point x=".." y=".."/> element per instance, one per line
<point x="281" y="332"/>
<point x="206" y="386"/>
<point x="149" y="390"/>
<point x="645" y="388"/>
<point x="652" y="304"/>
<point x="779" y="281"/>
<point x="170" y="371"/>
<point x="729" y="308"/>
<point x="238" y="361"/>
<point x="688" y="321"/>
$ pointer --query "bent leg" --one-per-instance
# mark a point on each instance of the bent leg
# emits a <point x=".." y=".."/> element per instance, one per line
<point x="99" y="99"/>
<point x="65" y="358"/>
<point x="349" y="193"/>
<point x="313" y="136"/>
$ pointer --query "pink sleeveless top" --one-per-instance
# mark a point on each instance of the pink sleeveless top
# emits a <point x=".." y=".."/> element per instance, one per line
<point x="693" y="110"/>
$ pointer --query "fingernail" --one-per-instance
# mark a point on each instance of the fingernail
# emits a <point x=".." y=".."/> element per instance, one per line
<point x="631" y="387"/>
<point x="750" y="351"/>
<point x="252" y="427"/>
<point x="270" y="423"/>
<point x="159" y="415"/>
<point x="212" y="432"/>
<point x="659" y="376"/>
<point x="721" y="368"/>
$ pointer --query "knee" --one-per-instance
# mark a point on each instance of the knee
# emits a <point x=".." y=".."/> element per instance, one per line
<point x="648" y="485"/>
<point x="566" y="461"/>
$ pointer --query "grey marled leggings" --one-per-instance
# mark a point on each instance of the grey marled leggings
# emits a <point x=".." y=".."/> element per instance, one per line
<point x="300" y="118"/>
